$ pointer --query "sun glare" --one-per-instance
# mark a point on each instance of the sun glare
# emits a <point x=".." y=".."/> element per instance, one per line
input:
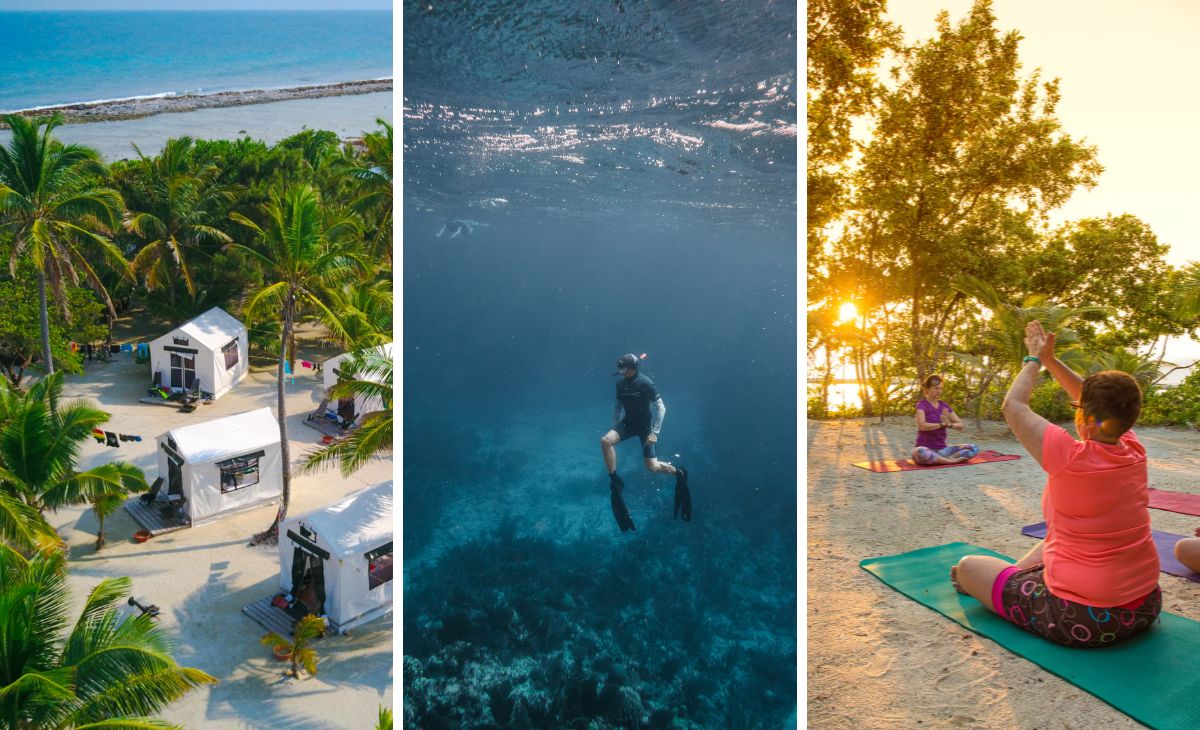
<point x="847" y="312"/>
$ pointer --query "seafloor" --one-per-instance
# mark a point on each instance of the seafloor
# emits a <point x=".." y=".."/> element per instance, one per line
<point x="525" y="607"/>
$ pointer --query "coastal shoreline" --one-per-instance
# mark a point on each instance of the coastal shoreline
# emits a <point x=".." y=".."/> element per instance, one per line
<point x="139" y="107"/>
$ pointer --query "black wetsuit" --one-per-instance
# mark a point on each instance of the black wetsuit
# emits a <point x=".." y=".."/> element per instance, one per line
<point x="636" y="395"/>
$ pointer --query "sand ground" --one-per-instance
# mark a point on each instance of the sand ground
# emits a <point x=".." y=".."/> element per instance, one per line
<point x="879" y="660"/>
<point x="203" y="576"/>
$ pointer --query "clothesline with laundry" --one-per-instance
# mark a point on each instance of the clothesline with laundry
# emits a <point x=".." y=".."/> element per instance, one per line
<point x="112" y="438"/>
<point x="142" y="350"/>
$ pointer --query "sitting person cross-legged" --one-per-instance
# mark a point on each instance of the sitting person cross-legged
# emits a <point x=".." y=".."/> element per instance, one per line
<point x="934" y="416"/>
<point x="1094" y="580"/>
<point x="1187" y="551"/>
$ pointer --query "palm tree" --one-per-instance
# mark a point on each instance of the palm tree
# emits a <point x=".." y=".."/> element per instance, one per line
<point x="365" y="310"/>
<point x="369" y="376"/>
<point x="373" y="171"/>
<point x="39" y="445"/>
<point x="52" y="205"/>
<point x="300" y="645"/>
<point x="172" y="208"/>
<point x="303" y="250"/>
<point x="107" y="672"/>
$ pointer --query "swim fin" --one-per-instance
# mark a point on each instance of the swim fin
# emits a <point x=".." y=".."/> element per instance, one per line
<point x="683" y="495"/>
<point x="620" y="511"/>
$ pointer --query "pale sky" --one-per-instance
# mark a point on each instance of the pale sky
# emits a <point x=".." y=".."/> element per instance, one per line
<point x="1127" y="75"/>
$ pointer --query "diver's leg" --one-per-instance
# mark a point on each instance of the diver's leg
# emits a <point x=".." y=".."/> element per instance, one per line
<point x="608" y="443"/>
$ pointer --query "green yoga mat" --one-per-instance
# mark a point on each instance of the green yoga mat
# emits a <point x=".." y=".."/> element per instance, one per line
<point x="1150" y="677"/>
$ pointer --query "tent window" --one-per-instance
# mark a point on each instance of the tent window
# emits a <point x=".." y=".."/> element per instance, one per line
<point x="240" y="472"/>
<point x="231" y="354"/>
<point x="379" y="567"/>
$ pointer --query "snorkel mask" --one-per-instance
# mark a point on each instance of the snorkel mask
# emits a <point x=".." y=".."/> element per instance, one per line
<point x="628" y="361"/>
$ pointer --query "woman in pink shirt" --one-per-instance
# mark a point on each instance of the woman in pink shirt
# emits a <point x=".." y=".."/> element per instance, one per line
<point x="1094" y="580"/>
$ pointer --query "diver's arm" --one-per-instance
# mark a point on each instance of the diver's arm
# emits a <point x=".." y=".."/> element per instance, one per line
<point x="617" y="414"/>
<point x="657" y="414"/>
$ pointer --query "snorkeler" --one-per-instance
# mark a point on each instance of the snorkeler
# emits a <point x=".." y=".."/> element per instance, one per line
<point x="643" y="411"/>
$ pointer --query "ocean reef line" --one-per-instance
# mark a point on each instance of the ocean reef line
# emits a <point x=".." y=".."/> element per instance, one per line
<point x="138" y="107"/>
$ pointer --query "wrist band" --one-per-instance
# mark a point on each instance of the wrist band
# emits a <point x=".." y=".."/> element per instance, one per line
<point x="1030" y="358"/>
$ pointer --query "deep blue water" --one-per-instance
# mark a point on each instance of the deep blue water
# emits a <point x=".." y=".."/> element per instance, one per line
<point x="605" y="177"/>
<point x="66" y="57"/>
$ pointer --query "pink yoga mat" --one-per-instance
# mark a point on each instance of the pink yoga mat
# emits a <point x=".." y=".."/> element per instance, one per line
<point x="1181" y="502"/>
<point x="983" y="457"/>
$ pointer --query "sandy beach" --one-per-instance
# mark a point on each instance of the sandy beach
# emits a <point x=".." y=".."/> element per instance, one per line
<point x="202" y="577"/>
<point x="879" y="660"/>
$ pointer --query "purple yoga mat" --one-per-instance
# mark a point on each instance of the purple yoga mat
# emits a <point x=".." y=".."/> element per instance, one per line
<point x="1164" y="541"/>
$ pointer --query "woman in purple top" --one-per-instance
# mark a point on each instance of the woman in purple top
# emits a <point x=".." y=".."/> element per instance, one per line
<point x="933" y="418"/>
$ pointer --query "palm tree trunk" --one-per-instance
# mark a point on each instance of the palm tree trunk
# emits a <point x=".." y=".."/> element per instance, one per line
<point x="271" y="535"/>
<point x="44" y="314"/>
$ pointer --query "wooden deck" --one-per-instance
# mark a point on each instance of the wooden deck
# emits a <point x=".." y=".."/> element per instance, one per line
<point x="270" y="617"/>
<point x="150" y="517"/>
<point x="327" y="426"/>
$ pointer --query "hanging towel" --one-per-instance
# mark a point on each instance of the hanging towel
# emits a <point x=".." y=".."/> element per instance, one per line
<point x="287" y="367"/>
<point x="111" y="439"/>
<point x="137" y="438"/>
<point x="122" y="437"/>
<point x="114" y="348"/>
<point x="143" y="350"/>
<point x="306" y="364"/>
<point x="127" y="347"/>
<point x="99" y="437"/>
<point x="74" y="347"/>
<point x="97" y="432"/>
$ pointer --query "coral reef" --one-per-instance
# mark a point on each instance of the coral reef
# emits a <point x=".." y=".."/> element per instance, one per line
<point x="671" y="630"/>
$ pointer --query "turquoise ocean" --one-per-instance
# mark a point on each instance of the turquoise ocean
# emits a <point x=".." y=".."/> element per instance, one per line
<point x="52" y="58"/>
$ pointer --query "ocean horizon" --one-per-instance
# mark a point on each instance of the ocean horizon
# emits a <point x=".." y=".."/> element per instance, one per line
<point x="74" y="57"/>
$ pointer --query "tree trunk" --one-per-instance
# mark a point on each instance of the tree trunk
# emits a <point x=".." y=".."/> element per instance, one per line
<point x="100" y="532"/>
<point x="44" y="314"/>
<point x="271" y="536"/>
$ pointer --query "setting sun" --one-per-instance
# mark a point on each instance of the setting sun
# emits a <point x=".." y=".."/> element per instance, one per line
<point x="847" y="312"/>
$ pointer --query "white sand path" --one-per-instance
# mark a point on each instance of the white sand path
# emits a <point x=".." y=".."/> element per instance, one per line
<point x="202" y="577"/>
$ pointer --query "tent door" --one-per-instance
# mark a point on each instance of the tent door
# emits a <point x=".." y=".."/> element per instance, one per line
<point x="308" y="582"/>
<point x="183" y="370"/>
<point x="346" y="410"/>
<point x="174" y="475"/>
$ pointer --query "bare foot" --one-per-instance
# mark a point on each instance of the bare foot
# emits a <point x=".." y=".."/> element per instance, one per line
<point x="954" y="580"/>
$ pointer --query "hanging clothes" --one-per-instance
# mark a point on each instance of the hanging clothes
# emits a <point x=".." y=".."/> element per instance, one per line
<point x="127" y="347"/>
<point x="111" y="439"/>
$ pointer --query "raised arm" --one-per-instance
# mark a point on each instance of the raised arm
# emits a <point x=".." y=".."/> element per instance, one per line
<point x="1068" y="379"/>
<point x="1027" y="426"/>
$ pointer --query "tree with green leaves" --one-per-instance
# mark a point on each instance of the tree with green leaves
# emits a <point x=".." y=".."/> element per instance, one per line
<point x="105" y="671"/>
<point x="52" y="203"/>
<point x="367" y="377"/>
<point x="20" y="338"/>
<point x="846" y="38"/>
<point x="966" y="156"/>
<point x="174" y="208"/>
<point x="300" y="645"/>
<point x="303" y="250"/>
<point x="995" y="355"/>
<point x="372" y="170"/>
<point x="39" y="447"/>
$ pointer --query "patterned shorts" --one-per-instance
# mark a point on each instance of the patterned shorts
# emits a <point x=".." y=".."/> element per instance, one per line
<point x="1021" y="596"/>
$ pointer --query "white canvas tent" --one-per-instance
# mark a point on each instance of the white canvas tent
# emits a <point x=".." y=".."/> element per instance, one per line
<point x="211" y="350"/>
<point x="339" y="558"/>
<point x="222" y="466"/>
<point x="349" y="409"/>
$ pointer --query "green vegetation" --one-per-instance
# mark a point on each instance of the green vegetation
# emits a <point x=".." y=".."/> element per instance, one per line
<point x="278" y="236"/>
<point x="936" y="233"/>
<point x="299" y="647"/>
<point x="104" y="671"/>
<point x="368" y="375"/>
